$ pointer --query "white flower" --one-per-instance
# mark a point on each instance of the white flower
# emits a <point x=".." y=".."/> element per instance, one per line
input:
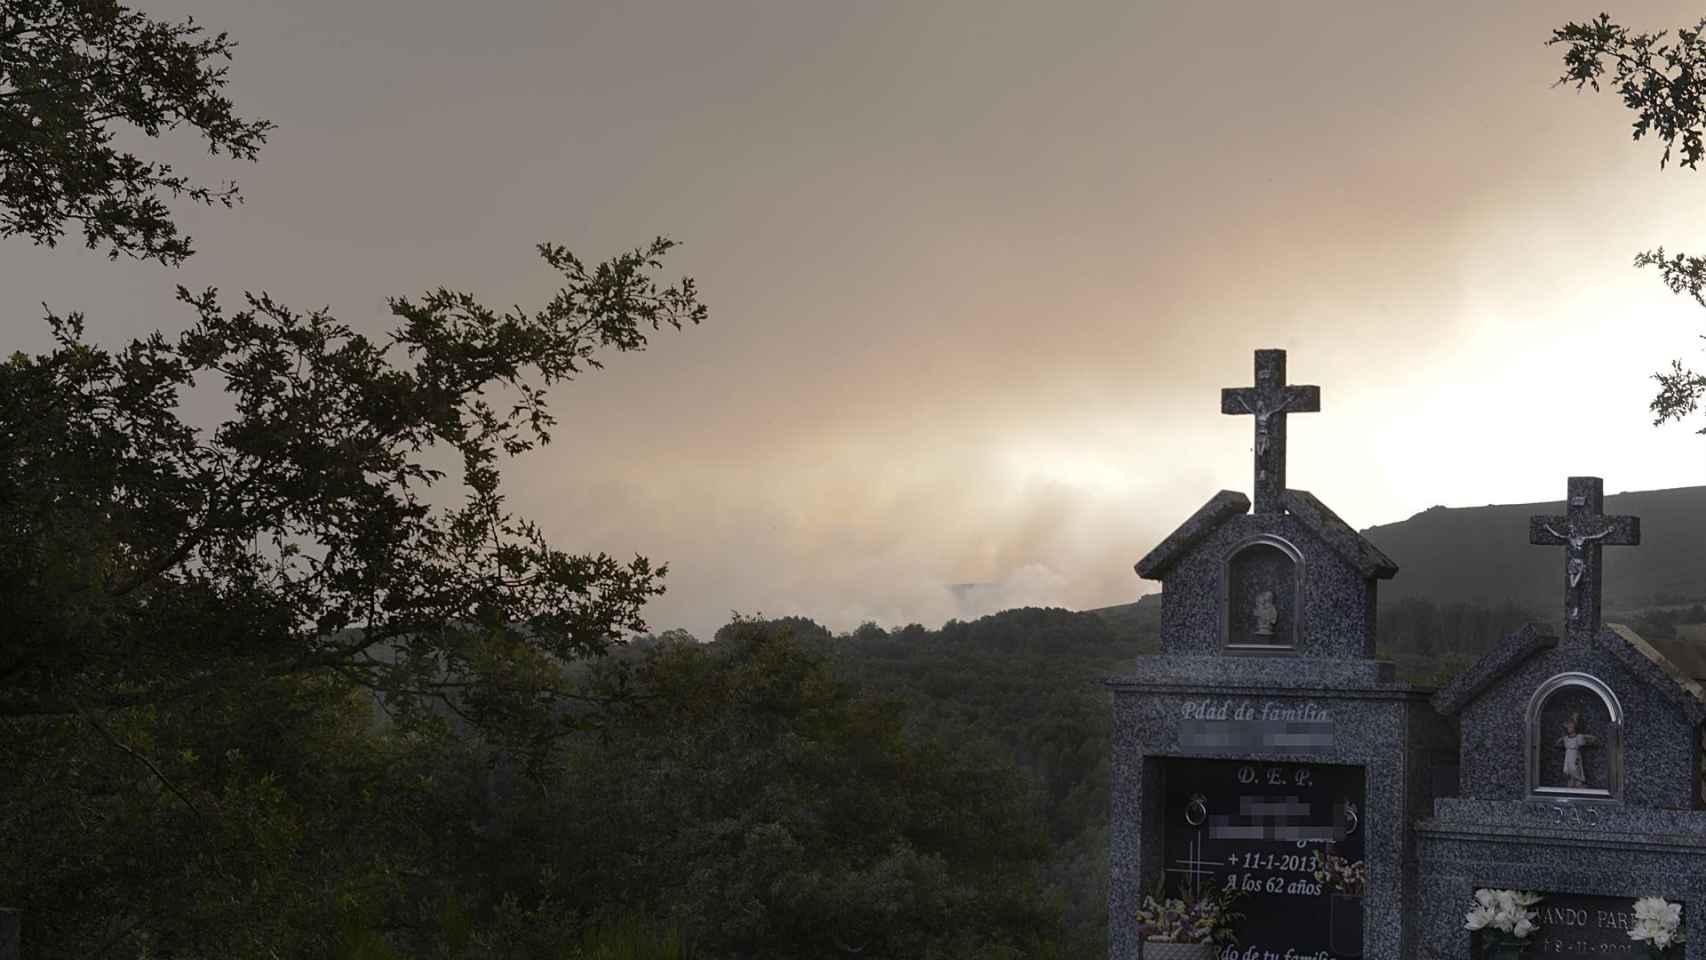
<point x="1670" y="915"/>
<point x="1657" y="921"/>
<point x="1503" y="910"/>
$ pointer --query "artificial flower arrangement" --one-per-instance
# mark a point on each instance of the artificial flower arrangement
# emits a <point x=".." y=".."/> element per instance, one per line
<point x="1658" y="923"/>
<point x="1335" y="874"/>
<point x="1503" y="916"/>
<point x="1204" y="916"/>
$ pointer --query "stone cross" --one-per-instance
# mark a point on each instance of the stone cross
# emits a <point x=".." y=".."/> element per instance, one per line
<point x="1269" y="401"/>
<point x="1582" y="531"/>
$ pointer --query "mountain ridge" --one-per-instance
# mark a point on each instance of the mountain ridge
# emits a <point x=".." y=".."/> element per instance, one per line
<point x="1482" y="554"/>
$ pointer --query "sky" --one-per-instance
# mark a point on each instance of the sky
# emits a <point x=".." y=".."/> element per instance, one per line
<point x="976" y="271"/>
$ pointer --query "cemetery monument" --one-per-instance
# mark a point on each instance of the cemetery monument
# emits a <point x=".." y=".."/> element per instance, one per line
<point x="1548" y="802"/>
<point x="1265" y="731"/>
<point x="1581" y="775"/>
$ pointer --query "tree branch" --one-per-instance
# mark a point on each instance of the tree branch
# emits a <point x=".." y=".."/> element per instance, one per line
<point x="164" y="780"/>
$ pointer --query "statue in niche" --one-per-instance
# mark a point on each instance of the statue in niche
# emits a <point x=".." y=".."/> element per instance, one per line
<point x="1265" y="614"/>
<point x="1258" y="597"/>
<point x="1574" y="741"/>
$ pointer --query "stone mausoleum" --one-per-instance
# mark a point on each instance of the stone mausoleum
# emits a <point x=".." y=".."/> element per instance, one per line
<point x="1266" y="736"/>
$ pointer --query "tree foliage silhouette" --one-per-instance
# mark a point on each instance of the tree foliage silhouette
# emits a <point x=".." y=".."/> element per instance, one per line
<point x="1664" y="84"/>
<point x="73" y="74"/>
<point x="231" y="657"/>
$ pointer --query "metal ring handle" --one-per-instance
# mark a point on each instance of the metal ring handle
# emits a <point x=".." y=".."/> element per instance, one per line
<point x="1197" y="810"/>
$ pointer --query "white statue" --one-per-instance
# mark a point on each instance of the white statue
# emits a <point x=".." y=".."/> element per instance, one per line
<point x="1265" y="613"/>
<point x="1573" y="741"/>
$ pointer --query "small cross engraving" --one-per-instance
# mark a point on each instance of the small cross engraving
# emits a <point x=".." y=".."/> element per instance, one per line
<point x="1582" y="531"/>
<point x="1269" y="401"/>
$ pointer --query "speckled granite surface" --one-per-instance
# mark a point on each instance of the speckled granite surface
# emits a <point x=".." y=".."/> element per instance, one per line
<point x="1268" y="618"/>
<point x="1598" y="849"/>
<point x="1579" y="761"/>
<point x="1388" y="729"/>
<point x="1522" y="820"/>
<point x="1333" y="603"/>
<point x="1659" y="717"/>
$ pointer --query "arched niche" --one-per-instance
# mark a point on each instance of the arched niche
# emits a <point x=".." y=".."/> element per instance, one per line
<point x="1575" y="740"/>
<point x="1261" y="584"/>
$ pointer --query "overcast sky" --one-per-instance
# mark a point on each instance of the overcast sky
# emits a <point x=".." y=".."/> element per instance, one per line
<point x="977" y="271"/>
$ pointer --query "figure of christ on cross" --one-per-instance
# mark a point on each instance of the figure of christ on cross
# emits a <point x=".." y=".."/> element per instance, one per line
<point x="1269" y="401"/>
<point x="1582" y="531"/>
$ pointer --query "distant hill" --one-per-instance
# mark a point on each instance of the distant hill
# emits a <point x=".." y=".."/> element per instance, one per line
<point x="1136" y="621"/>
<point x="1482" y="554"/>
<point x="1468" y="575"/>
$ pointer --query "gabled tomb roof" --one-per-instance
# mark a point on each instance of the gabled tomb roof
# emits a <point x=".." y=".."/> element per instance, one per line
<point x="1582" y="530"/>
<point x="1492" y="666"/>
<point x="1207" y="519"/>
<point x="1641" y="658"/>
<point x="1364" y="556"/>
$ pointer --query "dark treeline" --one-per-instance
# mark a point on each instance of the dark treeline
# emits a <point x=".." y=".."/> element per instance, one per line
<point x="755" y="797"/>
<point x="286" y="688"/>
<point x="1022" y="689"/>
<point x="781" y="791"/>
<point x="1660" y="623"/>
<point x="1027" y="681"/>
<point x="1430" y="641"/>
<point x="1454" y="633"/>
<point x="1024" y="686"/>
<point x="1422" y="627"/>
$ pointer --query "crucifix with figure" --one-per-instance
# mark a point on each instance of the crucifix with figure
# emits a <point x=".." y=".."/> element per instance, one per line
<point x="1582" y="531"/>
<point x="1269" y="401"/>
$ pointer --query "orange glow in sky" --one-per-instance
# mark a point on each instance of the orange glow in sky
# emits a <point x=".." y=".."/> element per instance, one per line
<point x="977" y="271"/>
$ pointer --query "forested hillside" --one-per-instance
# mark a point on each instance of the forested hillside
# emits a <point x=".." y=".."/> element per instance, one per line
<point x="286" y="673"/>
<point x="1025" y="685"/>
<point x="1481" y="555"/>
<point x="1022" y="687"/>
<point x="1468" y="576"/>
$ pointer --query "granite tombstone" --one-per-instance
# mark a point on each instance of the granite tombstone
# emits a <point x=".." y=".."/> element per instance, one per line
<point x="1265" y="740"/>
<point x="1580" y="775"/>
<point x="1265" y="750"/>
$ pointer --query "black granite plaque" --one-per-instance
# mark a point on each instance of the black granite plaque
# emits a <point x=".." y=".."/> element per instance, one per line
<point x="1576" y="927"/>
<point x="1255" y="827"/>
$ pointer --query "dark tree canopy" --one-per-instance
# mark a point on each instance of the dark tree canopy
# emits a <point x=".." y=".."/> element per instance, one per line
<point x="1664" y="84"/>
<point x="283" y="688"/>
<point x="777" y="811"/>
<point x="199" y="625"/>
<point x="141" y="560"/>
<point x="72" y="73"/>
